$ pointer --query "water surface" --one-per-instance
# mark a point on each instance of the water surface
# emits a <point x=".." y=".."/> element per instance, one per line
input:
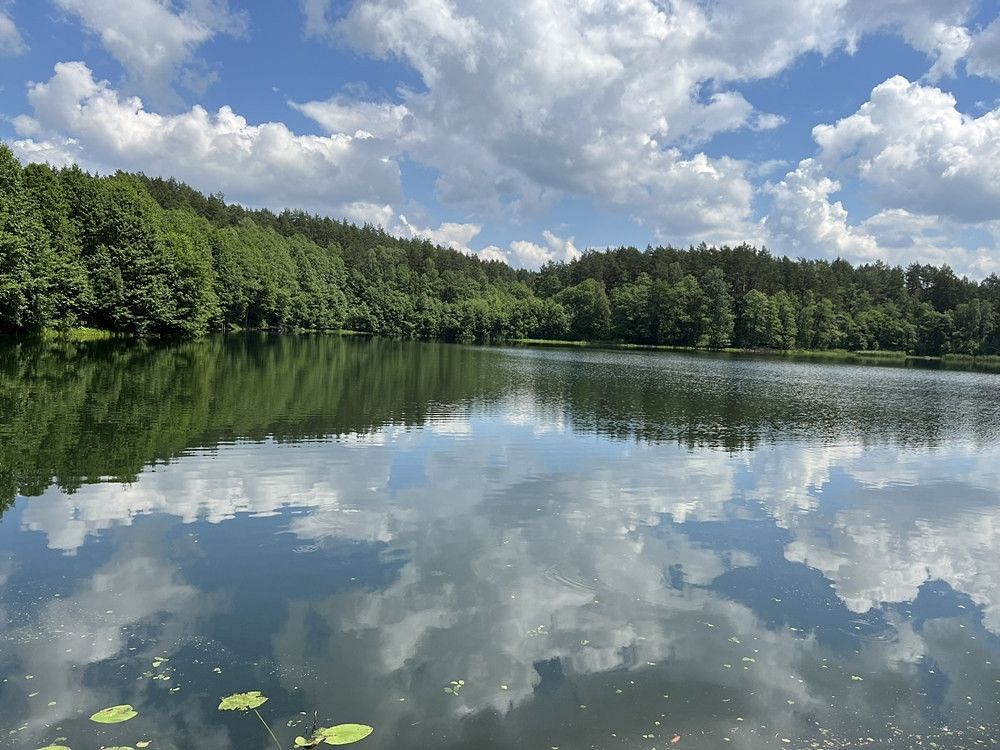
<point x="608" y="549"/>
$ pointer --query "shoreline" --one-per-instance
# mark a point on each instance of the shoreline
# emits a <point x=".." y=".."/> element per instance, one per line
<point x="983" y="363"/>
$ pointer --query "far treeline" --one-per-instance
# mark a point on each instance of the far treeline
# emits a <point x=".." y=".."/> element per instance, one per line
<point x="153" y="257"/>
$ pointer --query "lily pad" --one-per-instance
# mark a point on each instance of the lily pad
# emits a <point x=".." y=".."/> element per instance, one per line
<point x="54" y="747"/>
<point x="342" y="734"/>
<point x="243" y="701"/>
<point x="346" y="734"/>
<point x="114" y="715"/>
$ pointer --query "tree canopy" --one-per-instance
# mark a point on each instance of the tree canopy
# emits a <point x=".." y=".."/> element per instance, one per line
<point x="153" y="257"/>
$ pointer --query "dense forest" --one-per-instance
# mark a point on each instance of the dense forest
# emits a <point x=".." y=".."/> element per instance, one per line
<point x="153" y="257"/>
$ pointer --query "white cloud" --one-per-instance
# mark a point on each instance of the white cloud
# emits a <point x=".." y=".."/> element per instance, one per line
<point x="11" y="42"/>
<point x="375" y="214"/>
<point x="931" y="171"/>
<point x="78" y="118"/>
<point x="935" y="27"/>
<point x="913" y="147"/>
<point x="984" y="52"/>
<point x="342" y="115"/>
<point x="526" y="254"/>
<point x="519" y="254"/>
<point x="317" y="13"/>
<point x="153" y="42"/>
<point x="449" y="234"/>
<point x="525" y="102"/>
<point x="803" y="220"/>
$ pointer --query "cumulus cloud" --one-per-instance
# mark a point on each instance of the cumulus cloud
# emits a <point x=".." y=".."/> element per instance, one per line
<point x="79" y="119"/>
<point x="931" y="170"/>
<point x="915" y="149"/>
<point x="934" y="27"/>
<point x="804" y="221"/>
<point x="527" y="254"/>
<point x="984" y="52"/>
<point x="153" y="42"/>
<point x="604" y="100"/>
<point x="11" y="42"/>
<point x="519" y="253"/>
<point x="449" y="234"/>
<point x="582" y="99"/>
<point x="342" y="115"/>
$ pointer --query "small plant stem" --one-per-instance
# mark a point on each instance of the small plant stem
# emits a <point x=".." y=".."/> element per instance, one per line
<point x="268" y="728"/>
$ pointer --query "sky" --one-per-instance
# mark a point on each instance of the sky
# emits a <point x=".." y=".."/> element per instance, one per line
<point x="530" y="130"/>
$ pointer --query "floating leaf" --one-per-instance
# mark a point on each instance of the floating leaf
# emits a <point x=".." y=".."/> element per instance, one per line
<point x="142" y="744"/>
<point x="54" y="747"/>
<point x="114" y="715"/>
<point x="342" y="734"/>
<point x="243" y="701"/>
<point x="345" y="734"/>
<point x="120" y="747"/>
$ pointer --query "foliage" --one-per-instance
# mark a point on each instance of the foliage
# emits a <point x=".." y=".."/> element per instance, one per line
<point x="152" y="257"/>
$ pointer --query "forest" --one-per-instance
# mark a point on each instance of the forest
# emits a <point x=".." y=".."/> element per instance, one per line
<point x="145" y="256"/>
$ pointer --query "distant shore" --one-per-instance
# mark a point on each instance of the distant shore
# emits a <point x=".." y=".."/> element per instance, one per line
<point x="989" y="362"/>
<point x="881" y="357"/>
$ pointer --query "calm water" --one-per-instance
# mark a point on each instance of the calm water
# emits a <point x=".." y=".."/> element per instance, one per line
<point x="610" y="550"/>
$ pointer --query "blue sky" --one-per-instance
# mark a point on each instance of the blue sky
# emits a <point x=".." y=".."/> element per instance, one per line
<point x="529" y="130"/>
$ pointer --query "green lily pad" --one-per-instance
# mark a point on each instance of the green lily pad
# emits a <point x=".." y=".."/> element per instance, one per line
<point x="243" y="701"/>
<point x="345" y="734"/>
<point x="115" y="715"/>
<point x="54" y="747"/>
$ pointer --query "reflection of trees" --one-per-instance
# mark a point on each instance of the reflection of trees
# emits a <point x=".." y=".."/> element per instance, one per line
<point x="76" y="413"/>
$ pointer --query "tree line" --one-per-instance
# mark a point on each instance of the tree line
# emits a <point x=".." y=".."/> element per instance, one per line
<point x="148" y="256"/>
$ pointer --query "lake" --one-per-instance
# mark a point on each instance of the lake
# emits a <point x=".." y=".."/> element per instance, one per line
<point x="495" y="547"/>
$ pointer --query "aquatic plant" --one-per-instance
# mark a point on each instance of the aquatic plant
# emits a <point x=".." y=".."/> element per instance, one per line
<point x="249" y="702"/>
<point x="341" y="734"/>
<point x="114" y="715"/>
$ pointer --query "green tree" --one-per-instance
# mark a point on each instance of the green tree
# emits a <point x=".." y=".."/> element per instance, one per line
<point x="974" y="325"/>
<point x="785" y="333"/>
<point x="630" y="311"/>
<point x="26" y="258"/>
<point x="721" y="320"/>
<point x="759" y="321"/>
<point x="588" y="308"/>
<point x="69" y="287"/>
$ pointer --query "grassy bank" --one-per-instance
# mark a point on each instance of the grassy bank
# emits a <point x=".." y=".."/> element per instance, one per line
<point x="78" y="334"/>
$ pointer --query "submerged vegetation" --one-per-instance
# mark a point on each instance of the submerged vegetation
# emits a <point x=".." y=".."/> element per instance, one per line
<point x="141" y="256"/>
